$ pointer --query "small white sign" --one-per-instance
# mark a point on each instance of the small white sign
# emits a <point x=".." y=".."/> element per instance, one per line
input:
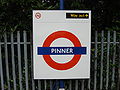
<point x="61" y="44"/>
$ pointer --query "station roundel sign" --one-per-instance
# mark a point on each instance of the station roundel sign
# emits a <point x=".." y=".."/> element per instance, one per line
<point x="54" y="36"/>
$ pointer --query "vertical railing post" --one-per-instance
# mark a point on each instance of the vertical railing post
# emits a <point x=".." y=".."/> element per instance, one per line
<point x="118" y="84"/>
<point x="61" y="81"/>
<point x="1" y="68"/>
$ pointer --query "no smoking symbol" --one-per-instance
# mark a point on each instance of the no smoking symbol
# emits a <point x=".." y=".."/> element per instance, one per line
<point x="46" y="50"/>
<point x="38" y="15"/>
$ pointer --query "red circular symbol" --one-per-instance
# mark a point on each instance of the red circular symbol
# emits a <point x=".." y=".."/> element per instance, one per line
<point x="38" y="15"/>
<point x="50" y="39"/>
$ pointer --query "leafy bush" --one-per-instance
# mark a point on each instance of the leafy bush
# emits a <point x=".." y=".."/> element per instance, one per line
<point x="17" y="14"/>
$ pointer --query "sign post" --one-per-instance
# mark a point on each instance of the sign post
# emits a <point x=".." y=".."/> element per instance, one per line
<point x="61" y="81"/>
<point x="61" y="4"/>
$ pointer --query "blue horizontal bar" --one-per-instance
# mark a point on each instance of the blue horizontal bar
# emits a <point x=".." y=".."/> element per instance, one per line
<point x="61" y="50"/>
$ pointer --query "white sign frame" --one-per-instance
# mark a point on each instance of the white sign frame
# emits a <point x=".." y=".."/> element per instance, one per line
<point x="46" y="22"/>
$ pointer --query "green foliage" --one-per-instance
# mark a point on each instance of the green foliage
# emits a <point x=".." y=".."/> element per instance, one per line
<point x="17" y="14"/>
<point x="105" y="13"/>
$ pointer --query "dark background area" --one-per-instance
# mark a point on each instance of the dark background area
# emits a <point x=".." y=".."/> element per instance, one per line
<point x="17" y="14"/>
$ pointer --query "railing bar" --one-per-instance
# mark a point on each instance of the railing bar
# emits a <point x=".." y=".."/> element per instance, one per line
<point x="101" y="70"/>
<point x="70" y="85"/>
<point x="82" y="87"/>
<point x="114" y="54"/>
<point x="30" y="43"/>
<point x="1" y="70"/>
<point x="108" y="49"/>
<point x="76" y="84"/>
<point x="25" y="58"/>
<point x="33" y="82"/>
<point x="51" y="84"/>
<point x="13" y="62"/>
<point x="95" y="65"/>
<point x="104" y="42"/>
<point x="6" y="61"/>
<point x="15" y="43"/>
<point x="118" y="81"/>
<point x="45" y="84"/>
<point x="19" y="60"/>
<point x="39" y="85"/>
<point x="89" y="84"/>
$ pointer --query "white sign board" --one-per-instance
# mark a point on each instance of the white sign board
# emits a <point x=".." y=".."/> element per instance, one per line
<point x="61" y="44"/>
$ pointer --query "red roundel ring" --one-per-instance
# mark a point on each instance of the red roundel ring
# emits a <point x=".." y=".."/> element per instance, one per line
<point x="50" y="39"/>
